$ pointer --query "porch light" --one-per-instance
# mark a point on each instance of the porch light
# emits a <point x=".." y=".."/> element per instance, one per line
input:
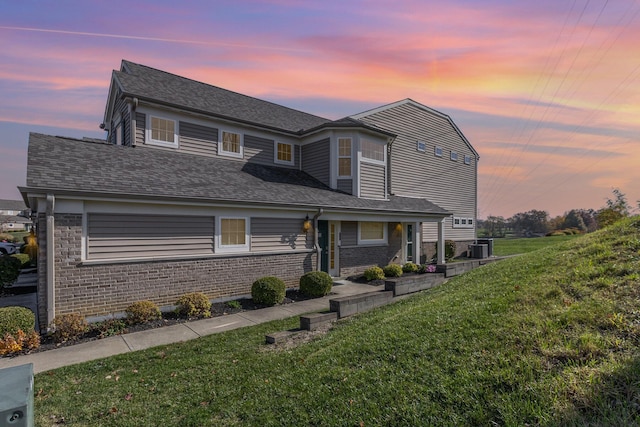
<point x="306" y="225"/>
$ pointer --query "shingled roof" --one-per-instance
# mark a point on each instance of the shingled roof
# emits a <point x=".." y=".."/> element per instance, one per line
<point x="66" y="165"/>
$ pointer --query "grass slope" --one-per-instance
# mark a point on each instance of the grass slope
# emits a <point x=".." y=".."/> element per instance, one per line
<point x="550" y="338"/>
<point x="511" y="246"/>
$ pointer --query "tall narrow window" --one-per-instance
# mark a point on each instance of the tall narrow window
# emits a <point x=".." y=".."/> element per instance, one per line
<point x="344" y="157"/>
<point x="230" y="144"/>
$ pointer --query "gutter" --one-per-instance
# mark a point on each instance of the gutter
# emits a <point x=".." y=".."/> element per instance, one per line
<point x="51" y="272"/>
<point x="316" y="244"/>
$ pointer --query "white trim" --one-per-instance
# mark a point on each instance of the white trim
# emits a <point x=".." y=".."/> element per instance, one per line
<point x="220" y="248"/>
<point x="421" y="146"/>
<point x="148" y="139"/>
<point x="467" y="159"/>
<point x="223" y="152"/>
<point x="453" y="156"/>
<point x="366" y="159"/>
<point x="376" y="242"/>
<point x="437" y="151"/>
<point x="344" y="157"/>
<point x="284" y="162"/>
<point x="462" y="222"/>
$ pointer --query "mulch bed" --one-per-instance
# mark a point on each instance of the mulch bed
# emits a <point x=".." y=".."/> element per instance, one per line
<point x="118" y="327"/>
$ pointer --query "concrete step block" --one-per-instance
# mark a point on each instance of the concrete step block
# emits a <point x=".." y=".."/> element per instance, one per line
<point x="312" y="321"/>
<point x="353" y="304"/>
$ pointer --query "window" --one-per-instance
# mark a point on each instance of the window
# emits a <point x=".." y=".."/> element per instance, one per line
<point x="162" y="132"/>
<point x="344" y="157"/>
<point x="421" y="146"/>
<point x="372" y="151"/>
<point x="232" y="234"/>
<point x="119" y="134"/>
<point x="230" y="144"/>
<point x="454" y="156"/>
<point x="371" y="232"/>
<point x="284" y="153"/>
<point x="437" y="151"/>
<point x="467" y="159"/>
<point x="462" y="222"/>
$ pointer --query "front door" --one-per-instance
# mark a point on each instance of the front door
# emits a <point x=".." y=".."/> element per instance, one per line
<point x="328" y="232"/>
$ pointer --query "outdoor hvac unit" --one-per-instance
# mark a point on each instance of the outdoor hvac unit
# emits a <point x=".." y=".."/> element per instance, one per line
<point x="16" y="396"/>
<point x="479" y="251"/>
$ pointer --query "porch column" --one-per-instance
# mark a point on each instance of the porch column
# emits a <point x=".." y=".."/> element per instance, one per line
<point x="441" y="249"/>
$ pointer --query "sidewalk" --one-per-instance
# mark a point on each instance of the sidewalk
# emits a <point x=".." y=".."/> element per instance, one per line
<point x="126" y="343"/>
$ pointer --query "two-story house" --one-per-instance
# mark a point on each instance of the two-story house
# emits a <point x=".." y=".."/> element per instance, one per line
<point x="197" y="188"/>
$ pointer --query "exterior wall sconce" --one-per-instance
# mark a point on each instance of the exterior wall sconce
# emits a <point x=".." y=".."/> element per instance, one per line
<point x="306" y="225"/>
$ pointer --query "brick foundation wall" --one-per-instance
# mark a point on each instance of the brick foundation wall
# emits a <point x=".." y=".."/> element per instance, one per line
<point x="429" y="249"/>
<point x="95" y="290"/>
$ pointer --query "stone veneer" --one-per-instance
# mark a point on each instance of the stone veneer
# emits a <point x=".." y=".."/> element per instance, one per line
<point x="103" y="289"/>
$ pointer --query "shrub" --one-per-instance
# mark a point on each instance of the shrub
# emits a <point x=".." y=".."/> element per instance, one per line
<point x="23" y="258"/>
<point x="426" y="268"/>
<point x="142" y="311"/>
<point x="268" y="291"/>
<point x="13" y="344"/>
<point x="373" y="273"/>
<point x="392" y="270"/>
<point x="234" y="304"/>
<point x="409" y="267"/>
<point x="194" y="304"/>
<point x="13" y="319"/>
<point x="316" y="284"/>
<point x="9" y="270"/>
<point x="109" y="327"/>
<point x="68" y="327"/>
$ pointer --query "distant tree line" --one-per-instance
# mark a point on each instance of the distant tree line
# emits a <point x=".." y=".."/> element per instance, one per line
<point x="539" y="223"/>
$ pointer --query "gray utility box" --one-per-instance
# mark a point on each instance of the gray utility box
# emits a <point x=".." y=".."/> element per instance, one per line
<point x="479" y="251"/>
<point x="16" y="396"/>
<point x="488" y="242"/>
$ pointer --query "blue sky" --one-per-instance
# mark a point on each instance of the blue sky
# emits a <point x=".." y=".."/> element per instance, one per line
<point x="547" y="92"/>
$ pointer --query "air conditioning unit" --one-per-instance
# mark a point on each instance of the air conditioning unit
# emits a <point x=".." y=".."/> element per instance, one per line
<point x="479" y="251"/>
<point x="16" y="396"/>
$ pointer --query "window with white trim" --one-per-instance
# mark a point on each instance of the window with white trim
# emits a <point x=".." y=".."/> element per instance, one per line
<point x="232" y="234"/>
<point x="467" y="159"/>
<point x="162" y="131"/>
<point x="283" y="153"/>
<point x="372" y="232"/>
<point x="372" y="151"/>
<point x="230" y="144"/>
<point x="454" y="156"/>
<point x="437" y="151"/>
<point x="462" y="222"/>
<point x="344" y="157"/>
<point x="421" y="146"/>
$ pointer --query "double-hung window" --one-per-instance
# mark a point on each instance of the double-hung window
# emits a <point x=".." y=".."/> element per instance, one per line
<point x="283" y="153"/>
<point x="372" y="232"/>
<point x="162" y="131"/>
<point x="230" y="144"/>
<point x="372" y="151"/>
<point x="232" y="234"/>
<point x="344" y="157"/>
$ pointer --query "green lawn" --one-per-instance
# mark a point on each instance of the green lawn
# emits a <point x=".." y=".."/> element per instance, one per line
<point x="511" y="246"/>
<point x="550" y="338"/>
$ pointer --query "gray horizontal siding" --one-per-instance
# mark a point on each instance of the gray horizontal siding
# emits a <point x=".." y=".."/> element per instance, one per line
<point x="349" y="233"/>
<point x="345" y="185"/>
<point x="131" y="236"/>
<point x="141" y="123"/>
<point x="316" y="160"/>
<point x="278" y="234"/>
<point x="372" y="181"/>
<point x="262" y="151"/>
<point x="198" y="139"/>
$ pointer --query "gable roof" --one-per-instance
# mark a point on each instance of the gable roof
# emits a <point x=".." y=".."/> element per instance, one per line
<point x="152" y="85"/>
<point x="72" y="166"/>
<point x="12" y="205"/>
<point x="423" y="107"/>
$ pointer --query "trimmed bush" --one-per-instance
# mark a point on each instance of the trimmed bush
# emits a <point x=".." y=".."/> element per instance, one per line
<point x="13" y="344"/>
<point x="316" y="284"/>
<point x="13" y="319"/>
<point x="392" y="270"/>
<point x="373" y="273"/>
<point x="194" y="304"/>
<point x="23" y="258"/>
<point x="9" y="270"/>
<point x="409" y="267"/>
<point x="68" y="327"/>
<point x="268" y="291"/>
<point x="142" y="311"/>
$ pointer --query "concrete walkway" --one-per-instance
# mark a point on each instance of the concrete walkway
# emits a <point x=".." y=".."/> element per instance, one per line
<point x="53" y="359"/>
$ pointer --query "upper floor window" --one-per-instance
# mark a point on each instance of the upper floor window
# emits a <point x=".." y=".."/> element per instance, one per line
<point x="230" y="144"/>
<point x="372" y="151"/>
<point x="454" y="156"/>
<point x="437" y="151"/>
<point x="284" y="153"/>
<point x="467" y="159"/>
<point x="344" y="157"/>
<point x="370" y="232"/>
<point x="161" y="131"/>
<point x="232" y="234"/>
<point x="421" y="146"/>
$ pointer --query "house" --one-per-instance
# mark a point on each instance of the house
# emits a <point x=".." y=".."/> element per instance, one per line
<point x="14" y="216"/>
<point x="197" y="188"/>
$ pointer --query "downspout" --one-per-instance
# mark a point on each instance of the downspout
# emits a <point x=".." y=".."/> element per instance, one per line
<point x="316" y="243"/>
<point x="51" y="247"/>
<point x="388" y="177"/>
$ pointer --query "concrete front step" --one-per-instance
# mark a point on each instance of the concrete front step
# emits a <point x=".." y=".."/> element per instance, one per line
<point x="350" y="305"/>
<point x="310" y="322"/>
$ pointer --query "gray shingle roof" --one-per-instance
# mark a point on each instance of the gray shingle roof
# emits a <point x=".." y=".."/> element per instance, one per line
<point x="66" y="164"/>
<point x="154" y="85"/>
<point x="12" y="205"/>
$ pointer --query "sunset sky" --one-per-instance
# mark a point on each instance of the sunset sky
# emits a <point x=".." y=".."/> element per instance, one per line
<point x="547" y="91"/>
